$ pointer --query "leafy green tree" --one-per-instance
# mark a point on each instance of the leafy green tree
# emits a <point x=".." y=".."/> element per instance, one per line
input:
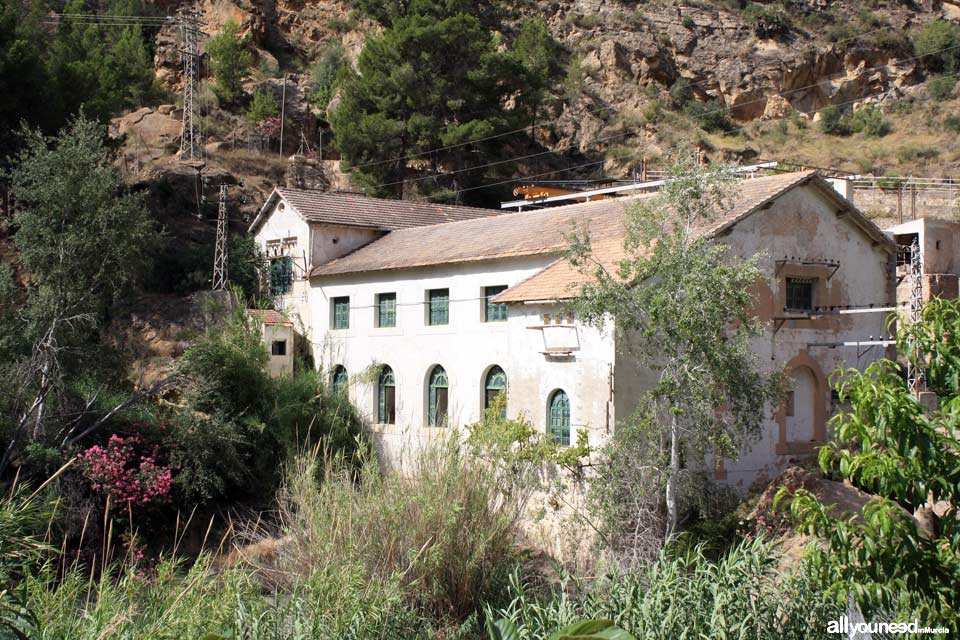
<point x="325" y="75"/>
<point x="870" y="121"/>
<point x="682" y="308"/>
<point x="263" y="106"/>
<point x="230" y="60"/>
<point x="536" y="53"/>
<point x="939" y="45"/>
<point x="832" y="122"/>
<point x="82" y="238"/>
<point x="888" y="443"/>
<point x="414" y="90"/>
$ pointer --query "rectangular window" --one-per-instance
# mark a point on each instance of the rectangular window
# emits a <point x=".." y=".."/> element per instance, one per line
<point x="278" y="348"/>
<point x="788" y="409"/>
<point x="438" y="301"/>
<point x="494" y="312"/>
<point x="341" y="312"/>
<point x="800" y="294"/>
<point x="386" y="309"/>
<point x="281" y="275"/>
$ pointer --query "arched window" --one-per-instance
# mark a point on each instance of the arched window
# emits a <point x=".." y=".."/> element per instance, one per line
<point x="437" y="400"/>
<point x="494" y="386"/>
<point x="386" y="397"/>
<point x="558" y="419"/>
<point x="339" y="380"/>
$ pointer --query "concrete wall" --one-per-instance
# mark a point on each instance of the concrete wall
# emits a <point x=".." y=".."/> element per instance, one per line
<point x="329" y="242"/>
<point x="939" y="242"/>
<point x="284" y="222"/>
<point x="279" y="365"/>
<point x="804" y="224"/>
<point x="466" y="348"/>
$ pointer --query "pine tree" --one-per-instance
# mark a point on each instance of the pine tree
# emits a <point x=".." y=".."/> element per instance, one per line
<point x="230" y="60"/>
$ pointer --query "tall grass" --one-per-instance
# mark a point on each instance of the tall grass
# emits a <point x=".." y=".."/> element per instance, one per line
<point x="684" y="595"/>
<point x="443" y="535"/>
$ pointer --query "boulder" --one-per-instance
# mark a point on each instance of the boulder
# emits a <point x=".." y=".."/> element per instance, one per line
<point x="777" y="107"/>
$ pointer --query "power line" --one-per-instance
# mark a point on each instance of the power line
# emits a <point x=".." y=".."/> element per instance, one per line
<point x="699" y="83"/>
<point x="705" y="113"/>
<point x="622" y="156"/>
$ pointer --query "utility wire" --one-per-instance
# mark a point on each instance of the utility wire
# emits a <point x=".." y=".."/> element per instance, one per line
<point x="705" y="81"/>
<point x="622" y="156"/>
<point x="705" y="113"/>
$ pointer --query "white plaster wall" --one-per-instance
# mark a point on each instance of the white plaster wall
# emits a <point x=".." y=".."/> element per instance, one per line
<point x="284" y="222"/>
<point x="804" y="223"/>
<point x="279" y="365"/>
<point x="329" y="242"/>
<point x="466" y="348"/>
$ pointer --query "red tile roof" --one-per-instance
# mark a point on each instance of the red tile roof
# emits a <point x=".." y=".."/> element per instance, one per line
<point x="269" y="316"/>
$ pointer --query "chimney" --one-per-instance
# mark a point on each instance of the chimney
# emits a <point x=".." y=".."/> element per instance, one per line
<point x="844" y="187"/>
<point x="304" y="173"/>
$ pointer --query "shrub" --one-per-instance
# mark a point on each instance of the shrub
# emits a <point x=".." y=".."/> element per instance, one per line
<point x="910" y="152"/>
<point x="325" y="74"/>
<point x="869" y="121"/>
<point x="941" y="87"/>
<point x="230" y="60"/>
<point x="939" y="44"/>
<point x="832" y="122"/>
<point x="711" y="116"/>
<point x="744" y="585"/>
<point x="952" y="123"/>
<point x="262" y="107"/>
<point x="688" y="23"/>
<point x="767" y="21"/>
<point x="128" y="470"/>
<point x="401" y="530"/>
<point x="681" y="93"/>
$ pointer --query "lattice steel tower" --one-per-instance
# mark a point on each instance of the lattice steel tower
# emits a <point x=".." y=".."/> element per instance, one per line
<point x="915" y="377"/>
<point x="220" y="249"/>
<point x="191" y="144"/>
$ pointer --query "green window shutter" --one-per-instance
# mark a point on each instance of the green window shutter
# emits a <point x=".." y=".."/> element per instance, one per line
<point x="339" y="381"/>
<point x="559" y="419"/>
<point x="341" y="312"/>
<point x="437" y="410"/>
<point x="494" y="312"/>
<point x="387" y="310"/>
<point x="386" y="397"/>
<point x="439" y="300"/>
<point x="281" y="276"/>
<point x="495" y="385"/>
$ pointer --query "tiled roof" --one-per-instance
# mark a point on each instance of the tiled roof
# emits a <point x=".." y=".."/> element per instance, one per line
<point x="352" y="209"/>
<point x="561" y="280"/>
<point x="269" y="316"/>
<point x="510" y="234"/>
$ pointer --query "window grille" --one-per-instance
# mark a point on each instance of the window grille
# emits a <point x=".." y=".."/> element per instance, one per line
<point x="387" y="310"/>
<point x="439" y="303"/>
<point x="494" y="312"/>
<point x="437" y="410"/>
<point x="341" y="312"/>
<point x="559" y="419"/>
<point x="800" y="294"/>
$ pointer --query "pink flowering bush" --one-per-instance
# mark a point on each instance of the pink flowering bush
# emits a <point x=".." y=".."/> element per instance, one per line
<point x="128" y="471"/>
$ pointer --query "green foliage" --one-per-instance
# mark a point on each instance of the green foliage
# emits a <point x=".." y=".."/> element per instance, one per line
<point x="832" y="122"/>
<point x="743" y="595"/>
<point x="230" y="60"/>
<point x="181" y="268"/>
<point x="412" y="91"/>
<point x="711" y="116"/>
<point x="768" y="21"/>
<point x="681" y="93"/>
<point x="251" y="422"/>
<point x="941" y="87"/>
<point x="504" y="629"/>
<point x="888" y="444"/>
<point x="952" y="123"/>
<point x="573" y="81"/>
<point x="939" y="45"/>
<point x="535" y="52"/>
<point x="263" y="106"/>
<point x="325" y="75"/>
<point x="684" y="309"/>
<point x="913" y="152"/>
<point x="869" y="121"/>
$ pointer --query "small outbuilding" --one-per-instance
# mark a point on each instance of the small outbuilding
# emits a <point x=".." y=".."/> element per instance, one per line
<point x="278" y="336"/>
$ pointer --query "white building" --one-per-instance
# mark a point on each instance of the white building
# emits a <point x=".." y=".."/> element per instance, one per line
<point x="425" y="323"/>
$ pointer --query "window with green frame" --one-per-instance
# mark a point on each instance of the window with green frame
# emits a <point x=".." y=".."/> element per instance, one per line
<point x="281" y="275"/>
<point x="341" y="312"/>
<point x="494" y="386"/>
<point x="339" y="380"/>
<point x="438" y="396"/>
<point x="386" y="397"/>
<point x="386" y="309"/>
<point x="494" y="312"/>
<point x="559" y="418"/>
<point x="438" y="301"/>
